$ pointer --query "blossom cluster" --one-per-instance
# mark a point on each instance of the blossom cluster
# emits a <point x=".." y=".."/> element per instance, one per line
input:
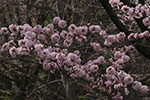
<point x="118" y="83"/>
<point x="53" y="44"/>
<point x="137" y="36"/>
<point x="138" y="11"/>
<point x="110" y="39"/>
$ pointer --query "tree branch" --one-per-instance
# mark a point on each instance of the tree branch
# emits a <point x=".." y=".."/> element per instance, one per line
<point x="114" y="16"/>
<point x="138" y="21"/>
<point x="142" y="49"/>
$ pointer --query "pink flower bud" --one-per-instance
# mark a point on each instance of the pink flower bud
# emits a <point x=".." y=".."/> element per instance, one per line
<point x="37" y="29"/>
<point x="103" y="34"/>
<point x="146" y="21"/>
<point x="72" y="28"/>
<point x="125" y="9"/>
<point x="96" y="46"/>
<point x="117" y="86"/>
<point x="117" y="55"/>
<point x="110" y="70"/>
<point x="11" y="43"/>
<point x="46" y="30"/>
<point x="107" y="43"/>
<point x="23" y="51"/>
<point x="119" y="61"/>
<point x="54" y="65"/>
<point x="70" y="36"/>
<point x="61" y="57"/>
<point x="5" y="47"/>
<point x="125" y="58"/>
<point x="114" y="2"/>
<point x="29" y="43"/>
<point x="22" y="42"/>
<point x="62" y="24"/>
<point x="128" y="79"/>
<point x="108" y="83"/>
<point x="79" y="39"/>
<point x="136" y="36"/>
<point x="27" y="27"/>
<point x="51" y="27"/>
<point x="131" y="37"/>
<point x="111" y="38"/>
<point x="47" y="66"/>
<point x="52" y="56"/>
<point x="19" y="28"/>
<point x="144" y="89"/>
<point x="94" y="68"/>
<point x="77" y="52"/>
<point x="121" y="36"/>
<point x="73" y="59"/>
<point x="122" y="75"/>
<point x="29" y="35"/>
<point x="84" y="30"/>
<point x="13" y="28"/>
<point x="4" y="30"/>
<point x="94" y="28"/>
<point x="39" y="47"/>
<point x="45" y="54"/>
<point x="138" y="15"/>
<point x="13" y="51"/>
<point x="126" y="91"/>
<point x="67" y="43"/>
<point x="56" y="20"/>
<point x="100" y="60"/>
<point x="129" y="48"/>
<point x="41" y="37"/>
<point x="55" y="38"/>
<point x="63" y="34"/>
<point x="136" y="85"/>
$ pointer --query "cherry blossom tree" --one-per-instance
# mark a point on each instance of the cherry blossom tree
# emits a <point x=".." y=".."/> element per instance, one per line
<point x="74" y="53"/>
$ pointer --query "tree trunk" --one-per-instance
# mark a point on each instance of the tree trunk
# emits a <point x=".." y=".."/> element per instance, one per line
<point x="69" y="88"/>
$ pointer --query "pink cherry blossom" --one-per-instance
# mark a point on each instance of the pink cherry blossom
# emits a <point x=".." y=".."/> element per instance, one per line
<point x="27" y="27"/>
<point x="13" y="28"/>
<point x="64" y="34"/>
<point x="4" y="30"/>
<point x="100" y="60"/>
<point x="62" y="24"/>
<point x="96" y="46"/>
<point x="67" y="42"/>
<point x="56" y="20"/>
<point x="55" y="38"/>
<point x="13" y="51"/>
<point x="110" y="70"/>
<point x="94" y="68"/>
<point x="72" y="28"/>
<point x="41" y="37"/>
<point x="94" y="28"/>
<point x="128" y="79"/>
<point x="37" y="29"/>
